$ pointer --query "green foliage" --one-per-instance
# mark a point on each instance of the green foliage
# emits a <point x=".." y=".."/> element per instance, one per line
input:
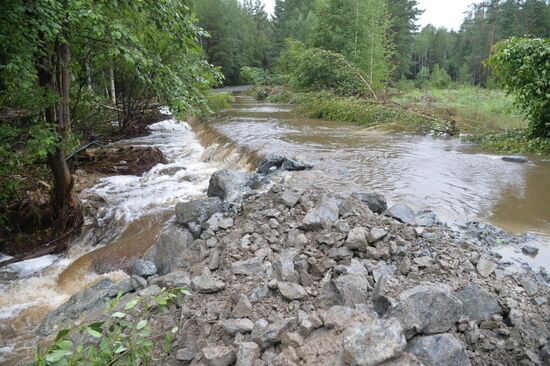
<point x="523" y="69"/>
<point x="255" y="75"/>
<point x="314" y="69"/>
<point x="422" y="77"/>
<point x="124" y="338"/>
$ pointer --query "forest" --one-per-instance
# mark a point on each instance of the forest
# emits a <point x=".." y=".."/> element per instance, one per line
<point x="73" y="72"/>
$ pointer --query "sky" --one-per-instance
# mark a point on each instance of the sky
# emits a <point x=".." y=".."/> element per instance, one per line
<point x="440" y="13"/>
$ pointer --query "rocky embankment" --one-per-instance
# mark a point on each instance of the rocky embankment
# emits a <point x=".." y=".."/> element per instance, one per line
<point x="292" y="277"/>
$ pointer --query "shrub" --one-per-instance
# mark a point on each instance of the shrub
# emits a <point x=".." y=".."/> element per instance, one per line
<point x="522" y="67"/>
<point x="124" y="338"/>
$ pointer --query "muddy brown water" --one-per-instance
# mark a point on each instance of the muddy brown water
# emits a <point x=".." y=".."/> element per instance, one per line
<point x="456" y="180"/>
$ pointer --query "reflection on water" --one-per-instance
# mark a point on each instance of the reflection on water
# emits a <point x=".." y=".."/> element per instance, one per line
<point x="452" y="178"/>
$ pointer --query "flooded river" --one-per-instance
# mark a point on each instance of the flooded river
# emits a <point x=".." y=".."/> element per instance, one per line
<point x="453" y="179"/>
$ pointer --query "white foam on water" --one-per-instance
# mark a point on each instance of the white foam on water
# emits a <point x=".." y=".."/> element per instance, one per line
<point x="183" y="177"/>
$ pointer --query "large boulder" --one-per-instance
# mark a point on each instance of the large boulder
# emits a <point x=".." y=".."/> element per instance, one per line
<point x="87" y="301"/>
<point x="199" y="210"/>
<point x="229" y="185"/>
<point x="427" y="309"/>
<point x="401" y="212"/>
<point x="375" y="201"/>
<point x="373" y="341"/>
<point x="439" y="349"/>
<point x="478" y="303"/>
<point x="321" y="216"/>
<point x="274" y="162"/>
<point x="173" y="249"/>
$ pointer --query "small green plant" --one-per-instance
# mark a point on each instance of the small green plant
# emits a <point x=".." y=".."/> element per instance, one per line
<point x="124" y="338"/>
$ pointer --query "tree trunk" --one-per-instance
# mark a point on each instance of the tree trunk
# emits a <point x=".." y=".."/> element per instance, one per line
<point x="54" y="77"/>
<point x="112" y="85"/>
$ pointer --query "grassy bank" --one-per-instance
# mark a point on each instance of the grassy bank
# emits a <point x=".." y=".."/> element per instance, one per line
<point x="486" y="117"/>
<point x="368" y="113"/>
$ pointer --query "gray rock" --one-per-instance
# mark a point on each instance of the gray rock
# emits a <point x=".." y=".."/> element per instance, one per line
<point x="515" y="159"/>
<point x="143" y="268"/>
<point x="292" y="339"/>
<point x="357" y="238"/>
<point x="383" y="269"/>
<point x="530" y="250"/>
<point x="426" y="218"/>
<point x="243" y="308"/>
<point x="376" y="202"/>
<point x="178" y="278"/>
<point x="338" y="253"/>
<point x="219" y="355"/>
<point x="199" y="210"/>
<point x="229" y="185"/>
<point x="172" y="250"/>
<point x="290" y="197"/>
<point x="84" y="302"/>
<point x="321" y="216"/>
<point x="423" y="262"/>
<point x="266" y="334"/>
<point x="291" y="291"/>
<point x="185" y="354"/>
<point x="207" y="284"/>
<point x="307" y="323"/>
<point x="402" y="212"/>
<point x="219" y="221"/>
<point x="353" y="289"/>
<point x="439" y="349"/>
<point x="328" y="294"/>
<point x="285" y="265"/>
<point x="427" y="309"/>
<point x="233" y="326"/>
<point x="376" y="234"/>
<point x="259" y="293"/>
<point x="478" y="303"/>
<point x="248" y="267"/>
<point x="282" y="163"/>
<point x="485" y="267"/>
<point x="373" y="341"/>
<point x="247" y="354"/>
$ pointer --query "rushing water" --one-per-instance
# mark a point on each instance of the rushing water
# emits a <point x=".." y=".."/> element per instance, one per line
<point x="451" y="178"/>
<point x="454" y="179"/>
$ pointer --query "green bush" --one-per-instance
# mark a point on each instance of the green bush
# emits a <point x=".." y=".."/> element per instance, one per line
<point x="124" y="338"/>
<point x="522" y="67"/>
<point x="315" y="69"/>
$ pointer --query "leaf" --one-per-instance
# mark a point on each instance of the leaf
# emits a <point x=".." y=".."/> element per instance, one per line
<point x="121" y="349"/>
<point x="57" y="355"/>
<point x="141" y="324"/>
<point x="94" y="333"/>
<point x="119" y="314"/>
<point x="61" y="334"/>
<point x="132" y="303"/>
<point x="66" y="345"/>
